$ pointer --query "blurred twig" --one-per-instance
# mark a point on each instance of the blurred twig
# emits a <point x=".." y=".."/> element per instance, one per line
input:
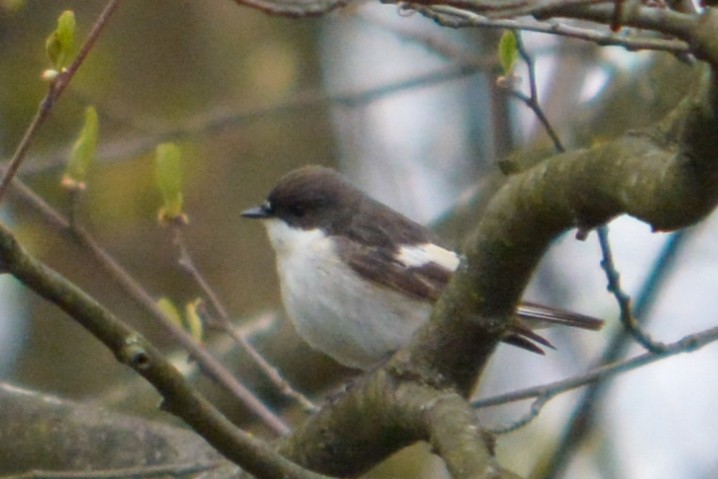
<point x="596" y="376"/>
<point x="54" y="91"/>
<point x="584" y="415"/>
<point x="215" y="122"/>
<point x="546" y="392"/>
<point x="628" y="320"/>
<point x="140" y="472"/>
<point x="434" y="43"/>
<point x="213" y="368"/>
<point x="221" y="320"/>
<point x="531" y="100"/>
<point x="209" y="364"/>
<point x="130" y="348"/>
<point x="457" y="18"/>
<point x="294" y="8"/>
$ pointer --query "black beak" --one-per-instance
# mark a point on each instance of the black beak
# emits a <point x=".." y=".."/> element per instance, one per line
<point x="258" y="212"/>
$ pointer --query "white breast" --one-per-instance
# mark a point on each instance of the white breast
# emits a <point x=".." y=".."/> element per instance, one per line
<point x="356" y="322"/>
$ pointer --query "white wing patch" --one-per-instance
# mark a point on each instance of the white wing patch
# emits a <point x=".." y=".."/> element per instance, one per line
<point x="422" y="254"/>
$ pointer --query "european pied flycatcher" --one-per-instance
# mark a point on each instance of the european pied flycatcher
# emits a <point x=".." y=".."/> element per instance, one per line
<point x="357" y="277"/>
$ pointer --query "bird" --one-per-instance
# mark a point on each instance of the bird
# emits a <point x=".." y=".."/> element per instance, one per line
<point x="358" y="278"/>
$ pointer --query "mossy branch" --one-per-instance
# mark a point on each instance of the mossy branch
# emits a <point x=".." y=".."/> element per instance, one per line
<point x="665" y="175"/>
<point x="132" y="349"/>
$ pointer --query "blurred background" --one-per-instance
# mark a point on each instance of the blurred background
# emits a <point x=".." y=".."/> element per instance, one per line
<point x="412" y="114"/>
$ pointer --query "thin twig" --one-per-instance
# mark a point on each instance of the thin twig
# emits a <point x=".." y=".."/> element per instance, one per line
<point x="538" y="8"/>
<point x="627" y="318"/>
<point x="457" y="18"/>
<point x="583" y="417"/>
<point x="532" y="101"/>
<point x="54" y="92"/>
<point x="140" y="472"/>
<point x="544" y="392"/>
<point x="434" y="43"/>
<point x="216" y="122"/>
<point x="222" y="321"/>
<point x="532" y="414"/>
<point x="294" y="9"/>
<point x="208" y="363"/>
<point x="132" y="349"/>
<point x="622" y="298"/>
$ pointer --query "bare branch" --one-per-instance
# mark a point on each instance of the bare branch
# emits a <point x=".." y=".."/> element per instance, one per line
<point x="132" y="349"/>
<point x="222" y="321"/>
<point x="624" y="301"/>
<point x="53" y="94"/>
<point x="294" y="8"/>
<point x="457" y="18"/>
<point x="216" y="122"/>
<point x="545" y="392"/>
<point x="213" y="368"/>
<point x="584" y="413"/>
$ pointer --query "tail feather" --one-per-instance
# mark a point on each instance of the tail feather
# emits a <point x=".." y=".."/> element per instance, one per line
<point x="537" y="316"/>
<point x="523" y="337"/>
<point x="523" y="343"/>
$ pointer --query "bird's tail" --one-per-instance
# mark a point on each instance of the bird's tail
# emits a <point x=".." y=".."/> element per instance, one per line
<point x="538" y="316"/>
<point x="535" y="316"/>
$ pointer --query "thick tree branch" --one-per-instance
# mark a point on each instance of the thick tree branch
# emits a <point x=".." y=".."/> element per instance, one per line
<point x="378" y="416"/>
<point x="208" y="363"/>
<point x="132" y="349"/>
<point x="39" y="431"/>
<point x="665" y="176"/>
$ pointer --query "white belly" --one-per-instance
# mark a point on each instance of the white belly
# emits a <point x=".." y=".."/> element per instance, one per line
<point x="355" y="322"/>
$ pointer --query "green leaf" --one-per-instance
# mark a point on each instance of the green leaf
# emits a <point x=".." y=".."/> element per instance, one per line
<point x="168" y="173"/>
<point x="168" y="307"/>
<point x="60" y="43"/>
<point x="193" y="320"/>
<point x="83" y="152"/>
<point x="508" y="51"/>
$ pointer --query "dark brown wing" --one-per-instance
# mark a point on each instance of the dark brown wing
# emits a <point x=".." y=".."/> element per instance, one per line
<point x="379" y="265"/>
<point x="426" y="283"/>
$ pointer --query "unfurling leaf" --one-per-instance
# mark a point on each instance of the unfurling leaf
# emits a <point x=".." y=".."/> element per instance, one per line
<point x="83" y="153"/>
<point x="190" y="322"/>
<point x="60" y="43"/>
<point x="508" y="51"/>
<point x="168" y="173"/>
<point x="193" y="320"/>
<point x="168" y="307"/>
